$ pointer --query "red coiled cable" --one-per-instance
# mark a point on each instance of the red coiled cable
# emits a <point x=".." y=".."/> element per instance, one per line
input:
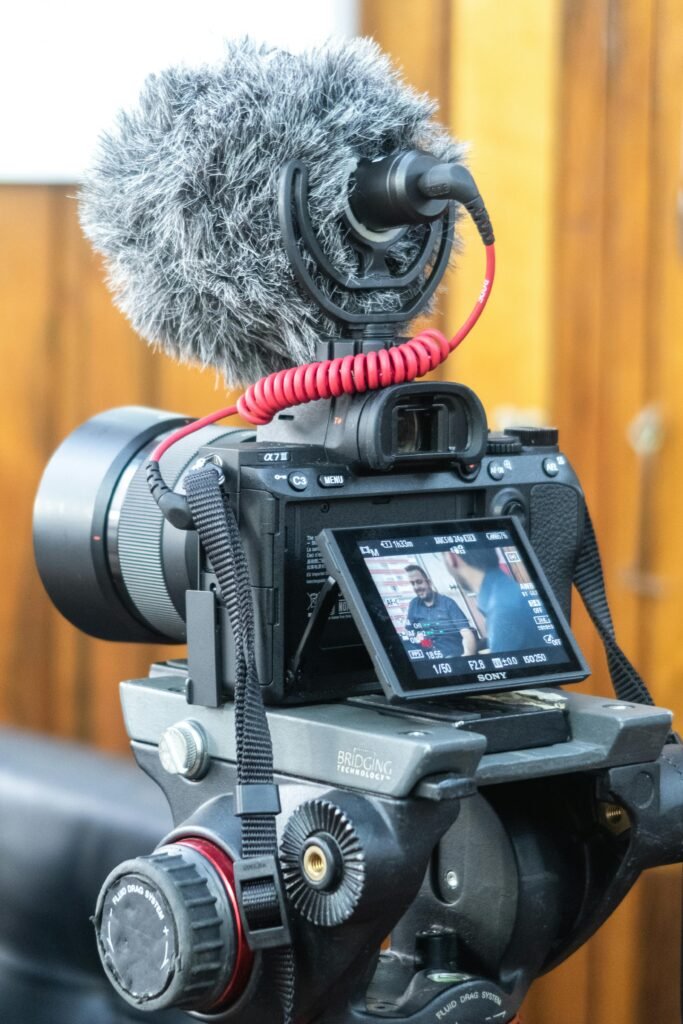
<point x="345" y="375"/>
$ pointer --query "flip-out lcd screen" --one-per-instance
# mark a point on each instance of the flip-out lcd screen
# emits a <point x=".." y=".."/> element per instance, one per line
<point x="454" y="607"/>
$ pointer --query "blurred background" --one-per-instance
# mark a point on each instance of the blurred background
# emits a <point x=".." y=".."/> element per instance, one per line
<point x="573" y="109"/>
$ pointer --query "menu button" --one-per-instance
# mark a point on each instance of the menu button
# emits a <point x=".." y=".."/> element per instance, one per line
<point x="331" y="480"/>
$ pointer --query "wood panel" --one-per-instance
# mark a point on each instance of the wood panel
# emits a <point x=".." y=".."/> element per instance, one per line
<point x="664" y="554"/>
<point x="67" y="354"/>
<point x="503" y="90"/>
<point x="417" y="36"/>
<point x="574" y="109"/>
<point x="26" y="306"/>
<point x="578" y="223"/>
<point x="596" y="355"/>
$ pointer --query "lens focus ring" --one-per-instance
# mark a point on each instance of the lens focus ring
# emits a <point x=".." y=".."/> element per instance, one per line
<point x="136" y="534"/>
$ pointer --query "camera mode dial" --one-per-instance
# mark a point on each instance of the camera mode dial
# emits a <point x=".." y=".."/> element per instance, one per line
<point x="168" y="930"/>
<point x="535" y="437"/>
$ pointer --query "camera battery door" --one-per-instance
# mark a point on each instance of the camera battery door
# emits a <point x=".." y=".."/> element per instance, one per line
<point x="452" y="608"/>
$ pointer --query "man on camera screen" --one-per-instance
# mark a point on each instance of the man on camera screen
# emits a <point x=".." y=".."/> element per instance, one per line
<point x="509" y="618"/>
<point x="437" y="619"/>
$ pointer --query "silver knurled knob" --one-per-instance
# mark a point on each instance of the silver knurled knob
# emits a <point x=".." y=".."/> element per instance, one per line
<point x="183" y="750"/>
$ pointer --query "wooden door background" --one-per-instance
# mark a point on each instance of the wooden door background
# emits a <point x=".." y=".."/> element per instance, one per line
<point x="574" y="110"/>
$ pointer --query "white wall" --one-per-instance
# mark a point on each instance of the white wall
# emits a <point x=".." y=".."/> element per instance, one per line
<point x="66" y="66"/>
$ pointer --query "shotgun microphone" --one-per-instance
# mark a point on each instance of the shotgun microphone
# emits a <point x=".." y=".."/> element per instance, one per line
<point x="182" y="200"/>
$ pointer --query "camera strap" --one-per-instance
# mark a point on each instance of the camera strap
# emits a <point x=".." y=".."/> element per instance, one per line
<point x="258" y="878"/>
<point x="590" y="583"/>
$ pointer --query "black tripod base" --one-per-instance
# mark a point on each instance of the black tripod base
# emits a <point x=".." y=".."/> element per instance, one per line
<point x="433" y="996"/>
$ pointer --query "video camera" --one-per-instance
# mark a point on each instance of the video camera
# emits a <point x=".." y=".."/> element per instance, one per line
<point x="394" y="581"/>
<point x="147" y="580"/>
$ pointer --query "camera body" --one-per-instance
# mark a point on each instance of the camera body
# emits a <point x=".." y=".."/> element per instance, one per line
<point x="117" y="569"/>
<point x="286" y="492"/>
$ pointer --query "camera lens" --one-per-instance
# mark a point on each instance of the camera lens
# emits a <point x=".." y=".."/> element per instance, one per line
<point x="109" y="560"/>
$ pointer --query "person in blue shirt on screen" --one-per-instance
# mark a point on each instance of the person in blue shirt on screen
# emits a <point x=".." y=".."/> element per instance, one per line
<point x="510" y="624"/>
<point x="435" y="620"/>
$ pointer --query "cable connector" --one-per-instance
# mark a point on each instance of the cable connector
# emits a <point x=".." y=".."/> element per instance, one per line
<point x="173" y="506"/>
<point x="454" y="181"/>
<point x="449" y="181"/>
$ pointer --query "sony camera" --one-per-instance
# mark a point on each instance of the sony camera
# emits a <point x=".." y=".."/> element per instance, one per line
<point x="371" y="462"/>
<point x="434" y="786"/>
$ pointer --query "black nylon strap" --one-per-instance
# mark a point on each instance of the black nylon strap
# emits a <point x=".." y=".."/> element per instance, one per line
<point x="219" y="534"/>
<point x="590" y="583"/>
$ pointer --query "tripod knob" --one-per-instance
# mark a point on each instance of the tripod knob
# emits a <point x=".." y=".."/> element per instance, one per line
<point x="168" y="929"/>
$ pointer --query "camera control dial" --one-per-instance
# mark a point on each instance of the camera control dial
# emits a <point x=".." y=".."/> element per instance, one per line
<point x="535" y="437"/>
<point x="501" y="444"/>
<point x="168" y="929"/>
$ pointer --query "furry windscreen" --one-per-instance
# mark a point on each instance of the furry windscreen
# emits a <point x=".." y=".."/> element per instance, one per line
<point x="182" y="198"/>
